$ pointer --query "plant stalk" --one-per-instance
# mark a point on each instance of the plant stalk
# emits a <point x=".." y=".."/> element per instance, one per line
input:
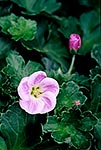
<point x="71" y="66"/>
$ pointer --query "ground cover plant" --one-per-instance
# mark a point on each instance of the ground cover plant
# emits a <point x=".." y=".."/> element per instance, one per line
<point x="50" y="75"/>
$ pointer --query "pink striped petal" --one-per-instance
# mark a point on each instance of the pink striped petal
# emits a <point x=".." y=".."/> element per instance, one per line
<point x="49" y="84"/>
<point x="49" y="100"/>
<point x="36" y="78"/>
<point x="23" y="89"/>
<point x="32" y="107"/>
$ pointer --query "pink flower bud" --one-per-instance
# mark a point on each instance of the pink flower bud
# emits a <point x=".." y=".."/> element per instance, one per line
<point x="77" y="103"/>
<point x="74" y="42"/>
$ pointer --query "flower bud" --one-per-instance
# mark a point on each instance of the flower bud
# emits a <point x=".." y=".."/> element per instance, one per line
<point x="77" y="102"/>
<point x="74" y="42"/>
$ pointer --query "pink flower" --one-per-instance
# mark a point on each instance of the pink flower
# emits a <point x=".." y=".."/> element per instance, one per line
<point x="74" y="42"/>
<point x="38" y="93"/>
<point x="77" y="102"/>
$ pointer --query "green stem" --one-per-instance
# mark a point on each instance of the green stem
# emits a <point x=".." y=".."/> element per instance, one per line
<point x="97" y="104"/>
<point x="71" y="66"/>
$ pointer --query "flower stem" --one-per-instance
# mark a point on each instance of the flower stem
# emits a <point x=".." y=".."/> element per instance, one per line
<point x="71" y="66"/>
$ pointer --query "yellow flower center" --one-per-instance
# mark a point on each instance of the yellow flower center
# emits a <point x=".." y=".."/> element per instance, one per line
<point x="36" y="91"/>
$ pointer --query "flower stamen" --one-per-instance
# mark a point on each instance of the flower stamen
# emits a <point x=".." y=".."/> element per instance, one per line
<point x="36" y="91"/>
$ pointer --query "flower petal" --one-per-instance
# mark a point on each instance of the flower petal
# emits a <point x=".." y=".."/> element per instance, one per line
<point x="32" y="107"/>
<point x="49" y="84"/>
<point x="74" y="42"/>
<point x="23" y="89"/>
<point x="49" y="100"/>
<point x="36" y="78"/>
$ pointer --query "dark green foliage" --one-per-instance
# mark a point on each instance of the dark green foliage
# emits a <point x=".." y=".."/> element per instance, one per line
<point x="34" y="7"/>
<point x="16" y="133"/>
<point x="34" y="36"/>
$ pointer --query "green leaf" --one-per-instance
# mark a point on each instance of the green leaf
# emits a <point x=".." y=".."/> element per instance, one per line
<point x="95" y="94"/>
<point x="70" y="93"/>
<point x="96" y="54"/>
<point x="7" y="21"/>
<point x="23" y="29"/>
<point x="5" y="9"/>
<point x="18" y="27"/>
<point x="87" y="26"/>
<point x="91" y="31"/>
<point x="88" y="122"/>
<point x="71" y="117"/>
<point x="56" y="74"/>
<point x="16" y="68"/>
<point x="97" y="133"/>
<point x="2" y="144"/>
<point x="39" y="40"/>
<point x="14" y="128"/>
<point x="80" y="79"/>
<point x="8" y="93"/>
<point x="34" y="7"/>
<point x="89" y="3"/>
<point x="55" y="46"/>
<point x="63" y="132"/>
<point x="5" y="47"/>
<point x="85" y="121"/>
<point x="68" y="26"/>
<point x="95" y="71"/>
<point x="31" y="67"/>
<point x="53" y="71"/>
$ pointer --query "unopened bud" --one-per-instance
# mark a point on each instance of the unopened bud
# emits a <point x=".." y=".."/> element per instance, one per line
<point x="74" y="42"/>
<point x="77" y="103"/>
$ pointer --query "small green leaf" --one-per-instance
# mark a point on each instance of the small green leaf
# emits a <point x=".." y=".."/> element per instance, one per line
<point x="68" y="26"/>
<point x="96" y="54"/>
<point x="70" y="93"/>
<point x="97" y="133"/>
<point x="2" y="144"/>
<point x="5" y="9"/>
<point x="31" y="67"/>
<point x="88" y="122"/>
<point x="23" y="29"/>
<point x="71" y="117"/>
<point x="95" y="94"/>
<point x="95" y="71"/>
<point x="80" y="79"/>
<point x="16" y="68"/>
<point x="39" y="40"/>
<point x="7" y="21"/>
<point x="54" y="73"/>
<point x="34" y="7"/>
